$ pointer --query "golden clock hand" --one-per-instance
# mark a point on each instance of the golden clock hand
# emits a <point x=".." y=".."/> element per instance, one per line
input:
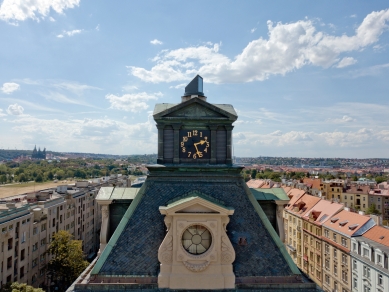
<point x="197" y="150"/>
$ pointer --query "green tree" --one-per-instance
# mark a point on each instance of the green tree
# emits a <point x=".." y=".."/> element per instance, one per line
<point x="68" y="259"/>
<point x="355" y="178"/>
<point x="253" y="173"/>
<point x="39" y="178"/>
<point x="372" y="210"/>
<point x="3" y="178"/>
<point x="19" y="287"/>
<point x="380" y="179"/>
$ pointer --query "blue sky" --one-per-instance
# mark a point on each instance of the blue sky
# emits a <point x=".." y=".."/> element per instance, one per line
<point x="308" y="79"/>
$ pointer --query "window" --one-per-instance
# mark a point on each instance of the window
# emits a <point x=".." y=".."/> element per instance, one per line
<point x="9" y="263"/>
<point x="4" y="229"/>
<point x="11" y="227"/>
<point x="344" y="276"/>
<point x="354" y="246"/>
<point x="344" y="259"/>
<point x="344" y="242"/>
<point x="35" y="231"/>
<point x="34" y="262"/>
<point x="327" y="248"/>
<point x="43" y="227"/>
<point x="366" y="288"/>
<point x="335" y="269"/>
<point x="366" y="272"/>
<point x="345" y="197"/>
<point x="355" y="283"/>
<point x="22" y="254"/>
<point x="327" y="264"/>
<point x="334" y="237"/>
<point x="43" y="241"/>
<point x="355" y="266"/>
<point x="35" y="247"/>
<point x="42" y="257"/>
<point x="335" y="255"/>
<point x="379" y="259"/>
<point x="24" y="236"/>
<point x="327" y="279"/>
<point x="10" y="243"/>
<point x="380" y="280"/>
<point x="365" y="252"/>
<point x="326" y="233"/>
<point x="335" y="286"/>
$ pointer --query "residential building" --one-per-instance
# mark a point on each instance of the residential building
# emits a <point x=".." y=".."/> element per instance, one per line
<point x="338" y="232"/>
<point x="369" y="256"/>
<point x="29" y="221"/>
<point x="313" y="221"/>
<point x="332" y="190"/>
<point x="293" y="214"/>
<point x="380" y="198"/>
<point x="356" y="197"/>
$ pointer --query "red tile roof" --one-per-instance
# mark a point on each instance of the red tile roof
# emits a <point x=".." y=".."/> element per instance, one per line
<point x="323" y="211"/>
<point x="303" y="204"/>
<point x="347" y="222"/>
<point x="378" y="234"/>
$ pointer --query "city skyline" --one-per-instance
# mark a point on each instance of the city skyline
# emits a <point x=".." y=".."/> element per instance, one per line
<point x="307" y="80"/>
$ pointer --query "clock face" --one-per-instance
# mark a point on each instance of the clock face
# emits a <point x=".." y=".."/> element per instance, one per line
<point x="195" y="144"/>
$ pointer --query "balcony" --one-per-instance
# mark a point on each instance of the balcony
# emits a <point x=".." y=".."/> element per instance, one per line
<point x="305" y="257"/>
<point x="298" y="228"/>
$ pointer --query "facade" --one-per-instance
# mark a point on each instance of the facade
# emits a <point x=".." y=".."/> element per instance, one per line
<point x="338" y="232"/>
<point x="313" y="253"/>
<point x="28" y="222"/>
<point x="380" y="198"/>
<point x="369" y="257"/>
<point x="293" y="215"/>
<point x="332" y="190"/>
<point x="194" y="224"/>
<point x="357" y="197"/>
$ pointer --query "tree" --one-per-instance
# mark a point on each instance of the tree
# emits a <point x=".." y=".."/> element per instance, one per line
<point x="39" y="178"/>
<point x="380" y="179"/>
<point x="372" y="210"/>
<point x="253" y="173"/>
<point x="19" y="287"/>
<point x="3" y="178"/>
<point x="68" y="259"/>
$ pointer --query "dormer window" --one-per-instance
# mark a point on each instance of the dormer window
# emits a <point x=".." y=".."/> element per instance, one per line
<point x="343" y="223"/>
<point x="333" y="220"/>
<point x="353" y="226"/>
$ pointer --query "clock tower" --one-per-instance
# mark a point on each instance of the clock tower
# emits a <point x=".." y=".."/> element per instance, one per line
<point x="194" y="224"/>
<point x="194" y="131"/>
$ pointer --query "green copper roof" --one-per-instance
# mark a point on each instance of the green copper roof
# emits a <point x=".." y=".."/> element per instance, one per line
<point x="273" y="194"/>
<point x="160" y="107"/>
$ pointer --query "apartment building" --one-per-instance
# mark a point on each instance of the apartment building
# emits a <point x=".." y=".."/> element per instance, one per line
<point x="332" y="190"/>
<point x="369" y="256"/>
<point x="356" y="197"/>
<point x="29" y="221"/>
<point x="338" y="232"/>
<point x="299" y="205"/>
<point x="380" y="198"/>
<point x="313" y="222"/>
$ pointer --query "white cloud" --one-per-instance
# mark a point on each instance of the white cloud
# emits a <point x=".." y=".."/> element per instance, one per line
<point x="369" y="71"/>
<point x="98" y="27"/>
<point x="71" y="86"/>
<point x="51" y="19"/>
<point x="87" y="135"/>
<point x="13" y="11"/>
<point x="346" y="61"/>
<point x="179" y="86"/>
<point x="288" y="47"/>
<point x="10" y="87"/>
<point x="344" y="119"/>
<point x="253" y="29"/>
<point x="70" y="33"/>
<point x="353" y="15"/>
<point x="2" y="114"/>
<point x="156" y="42"/>
<point x="132" y="102"/>
<point x="15" y="109"/>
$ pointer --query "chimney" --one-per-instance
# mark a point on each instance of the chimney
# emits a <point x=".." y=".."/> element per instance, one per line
<point x="361" y="212"/>
<point x="347" y="209"/>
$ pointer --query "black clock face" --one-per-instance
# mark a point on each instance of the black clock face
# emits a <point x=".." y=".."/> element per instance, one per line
<point x="195" y="144"/>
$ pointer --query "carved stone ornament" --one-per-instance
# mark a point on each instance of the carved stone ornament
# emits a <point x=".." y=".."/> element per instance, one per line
<point x="105" y="211"/>
<point x="167" y="257"/>
<point x="196" y="267"/>
<point x="228" y="255"/>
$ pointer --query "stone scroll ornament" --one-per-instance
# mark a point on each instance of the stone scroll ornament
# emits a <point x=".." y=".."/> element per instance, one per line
<point x="228" y="253"/>
<point x="166" y="250"/>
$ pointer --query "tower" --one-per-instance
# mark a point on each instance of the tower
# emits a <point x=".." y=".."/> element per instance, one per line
<point x="194" y="224"/>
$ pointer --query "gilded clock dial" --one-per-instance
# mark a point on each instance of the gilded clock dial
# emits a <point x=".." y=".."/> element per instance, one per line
<point x="195" y="144"/>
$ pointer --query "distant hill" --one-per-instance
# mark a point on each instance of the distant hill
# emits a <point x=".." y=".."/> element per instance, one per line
<point x="11" y="154"/>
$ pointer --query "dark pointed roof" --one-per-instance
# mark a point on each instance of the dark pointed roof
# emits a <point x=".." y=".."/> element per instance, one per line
<point x="195" y="87"/>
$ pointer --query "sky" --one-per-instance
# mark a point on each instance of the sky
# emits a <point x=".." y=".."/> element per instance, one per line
<point x="307" y="78"/>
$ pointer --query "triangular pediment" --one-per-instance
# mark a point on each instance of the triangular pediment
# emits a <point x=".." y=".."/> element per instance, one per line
<point x="195" y="108"/>
<point x="196" y="111"/>
<point x="195" y="204"/>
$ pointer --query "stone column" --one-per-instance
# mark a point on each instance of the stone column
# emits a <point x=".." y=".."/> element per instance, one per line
<point x="104" y="231"/>
<point x="229" y="144"/>
<point x="280" y="220"/>
<point x="160" y="143"/>
<point x="176" y="148"/>
<point x="213" y="144"/>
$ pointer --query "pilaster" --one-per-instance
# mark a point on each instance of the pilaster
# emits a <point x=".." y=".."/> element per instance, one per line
<point x="229" y="144"/>
<point x="213" y="144"/>
<point x="176" y="148"/>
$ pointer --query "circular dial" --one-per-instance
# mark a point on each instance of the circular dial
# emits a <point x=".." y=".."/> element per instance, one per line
<point x="195" y="144"/>
<point x="196" y="239"/>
